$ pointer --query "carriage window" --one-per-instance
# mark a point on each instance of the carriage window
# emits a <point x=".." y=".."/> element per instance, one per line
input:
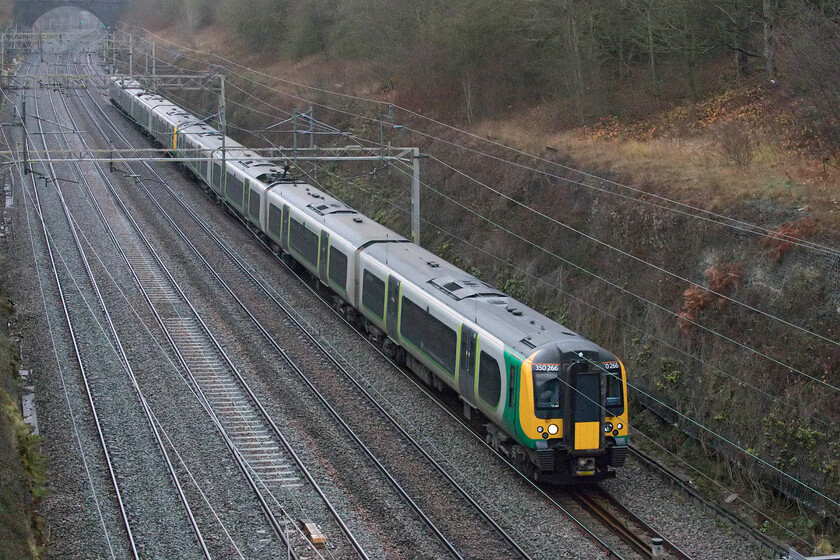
<point x="429" y="335"/>
<point x="217" y="176"/>
<point x="338" y="268"/>
<point x="588" y="397"/>
<point x="489" y="379"/>
<point x="192" y="153"/>
<point x="373" y="294"/>
<point x="254" y="205"/>
<point x="303" y="241"/>
<point x="275" y="220"/>
<point x="234" y="189"/>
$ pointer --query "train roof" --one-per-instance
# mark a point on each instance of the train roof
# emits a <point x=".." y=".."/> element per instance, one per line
<point x="357" y="229"/>
<point x="515" y="324"/>
<point x="207" y="136"/>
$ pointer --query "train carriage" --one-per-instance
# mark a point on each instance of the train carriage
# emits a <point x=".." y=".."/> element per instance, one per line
<point x="322" y="233"/>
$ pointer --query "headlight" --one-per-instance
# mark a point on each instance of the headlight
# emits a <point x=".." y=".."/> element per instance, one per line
<point x="582" y="462"/>
<point x="607" y="427"/>
<point x="552" y="429"/>
<point x="619" y="426"/>
<point x="539" y="429"/>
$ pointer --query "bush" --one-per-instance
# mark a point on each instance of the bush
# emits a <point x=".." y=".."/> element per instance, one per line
<point x="736" y="143"/>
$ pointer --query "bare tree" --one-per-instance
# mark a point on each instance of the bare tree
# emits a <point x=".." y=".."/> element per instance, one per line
<point x="769" y="15"/>
<point x="737" y="29"/>
<point x="809" y="60"/>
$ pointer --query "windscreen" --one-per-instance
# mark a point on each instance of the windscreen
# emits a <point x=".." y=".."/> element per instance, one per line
<point x="548" y="391"/>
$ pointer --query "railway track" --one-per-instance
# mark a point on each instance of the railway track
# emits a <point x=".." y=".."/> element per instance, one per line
<point x="267" y="460"/>
<point x="764" y="544"/>
<point x="226" y="397"/>
<point x="639" y="535"/>
<point x="262" y="463"/>
<point x="767" y="546"/>
<point x="78" y="319"/>
<point x="242" y="268"/>
<point x="648" y="532"/>
<point x="160" y="292"/>
<point x="610" y="521"/>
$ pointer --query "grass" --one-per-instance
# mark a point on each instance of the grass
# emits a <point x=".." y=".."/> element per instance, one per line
<point x="22" y="469"/>
<point x="694" y="153"/>
<point x="718" y="154"/>
<point x="687" y="157"/>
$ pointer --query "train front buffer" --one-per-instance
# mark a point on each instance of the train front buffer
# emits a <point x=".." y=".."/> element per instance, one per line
<point x="573" y="407"/>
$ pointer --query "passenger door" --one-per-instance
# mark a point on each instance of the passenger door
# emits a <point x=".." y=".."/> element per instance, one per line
<point x="466" y="375"/>
<point x="393" y="311"/>
<point x="284" y="233"/>
<point x="322" y="257"/>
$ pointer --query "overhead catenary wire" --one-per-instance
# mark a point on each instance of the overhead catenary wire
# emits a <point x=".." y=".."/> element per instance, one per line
<point x="626" y="291"/>
<point x="124" y="363"/>
<point x="713" y="433"/>
<point x="774" y="234"/>
<point x="631" y="256"/>
<point x="720" y="295"/>
<point x="712" y="216"/>
<point x="755" y="508"/>
<point x="592" y="238"/>
<point x="778" y="362"/>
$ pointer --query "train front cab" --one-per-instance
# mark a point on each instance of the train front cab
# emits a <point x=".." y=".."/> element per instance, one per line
<point x="573" y="408"/>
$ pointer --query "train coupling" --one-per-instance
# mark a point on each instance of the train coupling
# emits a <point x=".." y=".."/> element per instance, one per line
<point x="584" y="466"/>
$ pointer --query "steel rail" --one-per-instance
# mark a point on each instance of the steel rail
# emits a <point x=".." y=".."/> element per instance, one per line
<point x="199" y="392"/>
<point x="276" y="525"/>
<point x="238" y="262"/>
<point x="639" y="545"/>
<point x="117" y="340"/>
<point x="241" y="380"/>
<point x="80" y="362"/>
<point x="334" y="413"/>
<point x="765" y="543"/>
<point x="610" y="521"/>
<point x="602" y="505"/>
<point x="645" y="526"/>
<point x="426" y="520"/>
<point x="746" y="530"/>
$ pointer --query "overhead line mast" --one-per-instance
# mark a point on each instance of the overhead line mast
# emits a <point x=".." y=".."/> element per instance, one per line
<point x="215" y="82"/>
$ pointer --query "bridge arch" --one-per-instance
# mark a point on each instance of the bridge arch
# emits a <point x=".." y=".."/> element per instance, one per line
<point x="27" y="12"/>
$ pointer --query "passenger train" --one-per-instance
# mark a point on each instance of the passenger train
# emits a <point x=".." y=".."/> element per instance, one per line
<point x="552" y="402"/>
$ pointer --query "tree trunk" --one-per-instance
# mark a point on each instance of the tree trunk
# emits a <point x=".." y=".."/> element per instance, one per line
<point x="770" y="38"/>
<point x="651" y="58"/>
<point x="466" y="83"/>
<point x="577" y="71"/>
<point x="742" y="43"/>
<point x="621" y="53"/>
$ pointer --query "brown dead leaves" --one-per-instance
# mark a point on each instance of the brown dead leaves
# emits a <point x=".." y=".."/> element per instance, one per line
<point x="721" y="279"/>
